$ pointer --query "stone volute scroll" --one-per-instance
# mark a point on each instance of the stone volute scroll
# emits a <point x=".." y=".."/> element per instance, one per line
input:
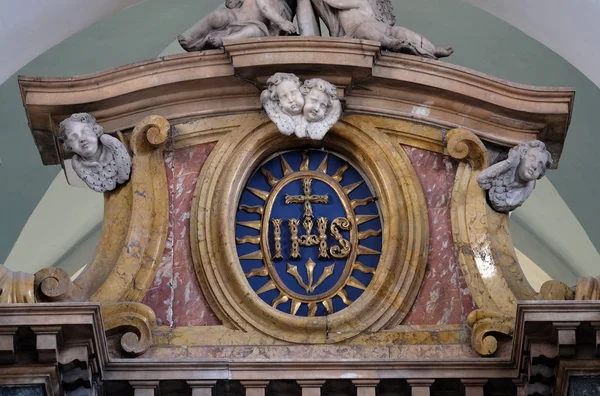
<point x="240" y="19"/>
<point x="510" y="182"/>
<point x="307" y="110"/>
<point x="100" y="160"/>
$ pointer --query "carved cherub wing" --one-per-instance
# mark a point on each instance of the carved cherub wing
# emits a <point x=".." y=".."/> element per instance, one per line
<point x="384" y="11"/>
<point x="284" y="122"/>
<point x="495" y="174"/>
<point x="121" y="160"/>
<point x="317" y="130"/>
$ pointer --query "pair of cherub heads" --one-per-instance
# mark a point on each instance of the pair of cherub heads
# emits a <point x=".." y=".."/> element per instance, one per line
<point x="307" y="109"/>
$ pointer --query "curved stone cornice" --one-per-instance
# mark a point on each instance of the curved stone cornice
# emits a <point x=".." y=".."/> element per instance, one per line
<point x="220" y="82"/>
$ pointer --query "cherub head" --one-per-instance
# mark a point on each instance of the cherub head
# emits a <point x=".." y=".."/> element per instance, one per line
<point x="534" y="160"/>
<point x="318" y="98"/>
<point x="79" y="134"/>
<point x="284" y="88"/>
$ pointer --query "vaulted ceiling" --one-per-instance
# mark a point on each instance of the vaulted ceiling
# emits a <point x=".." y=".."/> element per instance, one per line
<point x="541" y="42"/>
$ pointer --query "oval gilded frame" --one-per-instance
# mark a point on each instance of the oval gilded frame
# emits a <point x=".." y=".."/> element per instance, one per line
<point x="401" y="268"/>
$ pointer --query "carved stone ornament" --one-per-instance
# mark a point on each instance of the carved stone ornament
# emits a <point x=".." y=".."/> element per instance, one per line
<point x="240" y="19"/>
<point x="588" y="288"/>
<point x="100" y="160"/>
<point x="360" y="19"/>
<point x="375" y="20"/>
<point x="510" y="182"/>
<point x="485" y="325"/>
<point x="307" y="110"/>
<point x="133" y="321"/>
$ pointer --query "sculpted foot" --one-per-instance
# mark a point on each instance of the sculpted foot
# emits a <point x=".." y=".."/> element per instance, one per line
<point x="184" y="42"/>
<point x="442" y="52"/>
<point x="214" y="41"/>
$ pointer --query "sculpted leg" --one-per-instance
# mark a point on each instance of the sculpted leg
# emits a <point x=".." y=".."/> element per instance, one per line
<point x="418" y="44"/>
<point x="367" y="31"/>
<point x="245" y="32"/>
<point x="213" y="21"/>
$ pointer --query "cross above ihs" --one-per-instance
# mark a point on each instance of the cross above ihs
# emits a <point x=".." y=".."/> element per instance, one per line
<point x="307" y="199"/>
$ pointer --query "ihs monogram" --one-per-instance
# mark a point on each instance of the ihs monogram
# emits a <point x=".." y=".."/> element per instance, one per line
<point x="342" y="233"/>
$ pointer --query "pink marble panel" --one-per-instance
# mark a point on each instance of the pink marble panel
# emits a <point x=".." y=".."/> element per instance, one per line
<point x="175" y="294"/>
<point x="444" y="297"/>
<point x="160" y="294"/>
<point x="190" y="307"/>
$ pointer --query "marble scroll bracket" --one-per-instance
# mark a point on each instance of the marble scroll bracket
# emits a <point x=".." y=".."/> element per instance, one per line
<point x="135" y="223"/>
<point x="486" y="326"/>
<point x="133" y="322"/>
<point x="482" y="236"/>
<point x="46" y="285"/>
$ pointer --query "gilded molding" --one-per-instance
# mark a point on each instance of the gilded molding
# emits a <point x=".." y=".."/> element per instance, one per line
<point x="135" y="223"/>
<point x="484" y="324"/>
<point x="405" y="246"/>
<point x="134" y="321"/>
<point x="482" y="236"/>
<point x="15" y="287"/>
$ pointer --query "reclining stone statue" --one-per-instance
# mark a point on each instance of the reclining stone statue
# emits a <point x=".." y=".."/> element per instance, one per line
<point x="375" y="20"/>
<point x="239" y="20"/>
<point x="100" y="160"/>
<point x="510" y="182"/>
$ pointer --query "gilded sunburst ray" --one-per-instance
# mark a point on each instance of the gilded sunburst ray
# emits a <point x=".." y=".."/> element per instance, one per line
<point x="361" y="219"/>
<point x="282" y="299"/>
<point x="255" y="225"/>
<point x="253" y="239"/>
<point x="323" y="166"/>
<point x="355" y="203"/>
<point x="363" y="250"/>
<point x="339" y="174"/>
<point x="252" y="209"/>
<point x="264" y="195"/>
<point x="262" y="271"/>
<point x="305" y="164"/>
<point x="270" y="285"/>
<point x="368" y="233"/>
<point x="285" y="167"/>
<point x="344" y="296"/>
<point x="356" y="283"/>
<point x="363" y="268"/>
<point x="328" y="304"/>
<point x="351" y="187"/>
<point x="271" y="180"/>
<point x="257" y="255"/>
<point x="312" y="309"/>
<point x="295" y="306"/>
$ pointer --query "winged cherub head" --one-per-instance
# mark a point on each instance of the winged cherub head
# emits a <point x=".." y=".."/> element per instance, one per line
<point x="535" y="159"/>
<point x="284" y="88"/>
<point x="319" y="96"/>
<point x="80" y="134"/>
